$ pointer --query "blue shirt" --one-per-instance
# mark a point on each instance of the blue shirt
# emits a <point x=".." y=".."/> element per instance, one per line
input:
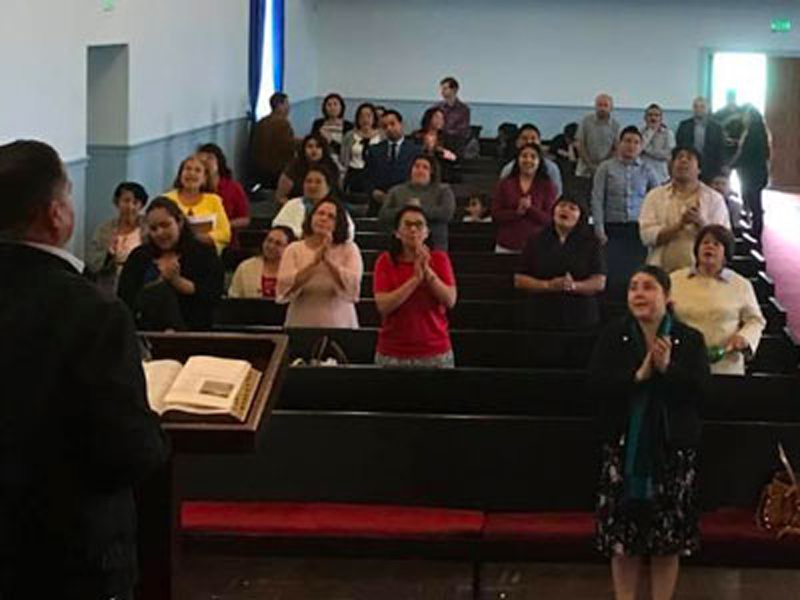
<point x="619" y="190"/>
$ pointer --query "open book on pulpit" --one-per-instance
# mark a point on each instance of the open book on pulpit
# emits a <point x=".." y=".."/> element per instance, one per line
<point x="205" y="385"/>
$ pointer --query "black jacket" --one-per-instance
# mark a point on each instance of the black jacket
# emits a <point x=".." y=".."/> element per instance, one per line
<point x="681" y="389"/>
<point x="713" y="147"/>
<point x="75" y="432"/>
<point x="384" y="173"/>
<point x="161" y="307"/>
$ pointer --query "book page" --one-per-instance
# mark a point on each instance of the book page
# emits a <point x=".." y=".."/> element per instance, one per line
<point x="160" y="375"/>
<point x="202" y="223"/>
<point x="207" y="384"/>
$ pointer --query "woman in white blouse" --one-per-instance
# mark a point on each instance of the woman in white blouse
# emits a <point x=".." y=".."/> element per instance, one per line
<point x="317" y="186"/>
<point x="718" y="302"/>
<point x="320" y="276"/>
<point x="354" y="145"/>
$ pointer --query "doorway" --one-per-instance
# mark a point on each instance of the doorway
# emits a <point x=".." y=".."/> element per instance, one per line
<point x="783" y="120"/>
<point x="772" y="85"/>
<point x="106" y="129"/>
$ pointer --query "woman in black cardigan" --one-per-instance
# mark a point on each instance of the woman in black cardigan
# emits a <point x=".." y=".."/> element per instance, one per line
<point x="649" y="372"/>
<point x="173" y="280"/>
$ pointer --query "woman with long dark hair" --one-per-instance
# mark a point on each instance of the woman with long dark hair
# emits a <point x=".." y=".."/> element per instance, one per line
<point x="317" y="186"/>
<point x="523" y="202"/>
<point x="648" y="372"/>
<point x="332" y="125"/>
<point x="414" y="288"/>
<point x="314" y="152"/>
<point x="562" y="272"/>
<point x="366" y="133"/>
<point x="173" y="280"/>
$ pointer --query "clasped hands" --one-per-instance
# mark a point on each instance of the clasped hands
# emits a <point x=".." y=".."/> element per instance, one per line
<point x="524" y="205"/>
<point x="169" y="267"/>
<point x="562" y="284"/>
<point x="321" y="255"/>
<point x="692" y="217"/>
<point x="422" y="265"/>
<point x="657" y="358"/>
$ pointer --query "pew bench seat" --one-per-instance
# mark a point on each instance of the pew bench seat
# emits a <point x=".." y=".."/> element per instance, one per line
<point x="729" y="536"/>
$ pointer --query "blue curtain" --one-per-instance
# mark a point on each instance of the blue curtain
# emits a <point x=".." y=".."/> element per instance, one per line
<point x="277" y="43"/>
<point x="256" y="50"/>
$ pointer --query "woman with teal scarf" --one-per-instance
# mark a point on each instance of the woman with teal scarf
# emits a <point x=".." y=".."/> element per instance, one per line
<point x="649" y="372"/>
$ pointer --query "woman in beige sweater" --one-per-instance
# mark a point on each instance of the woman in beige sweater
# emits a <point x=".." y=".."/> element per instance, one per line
<point x="257" y="276"/>
<point x="719" y="302"/>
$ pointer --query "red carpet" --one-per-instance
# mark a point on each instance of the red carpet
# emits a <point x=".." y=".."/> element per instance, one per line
<point x="781" y="243"/>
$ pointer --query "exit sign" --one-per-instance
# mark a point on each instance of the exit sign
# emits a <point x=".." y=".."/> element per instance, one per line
<point x="108" y="5"/>
<point x="781" y="25"/>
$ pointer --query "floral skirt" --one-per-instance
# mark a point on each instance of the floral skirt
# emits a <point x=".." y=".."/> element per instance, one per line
<point x="663" y="526"/>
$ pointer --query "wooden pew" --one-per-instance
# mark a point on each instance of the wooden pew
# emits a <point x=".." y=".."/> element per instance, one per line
<point x="475" y="313"/>
<point x="501" y="349"/>
<point x="478" y="438"/>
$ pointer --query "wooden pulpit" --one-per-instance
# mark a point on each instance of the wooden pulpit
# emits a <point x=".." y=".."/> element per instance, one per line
<point x="158" y="501"/>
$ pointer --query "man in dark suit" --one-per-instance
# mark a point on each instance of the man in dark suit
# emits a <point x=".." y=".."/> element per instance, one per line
<point x="75" y="428"/>
<point x="389" y="163"/>
<point x="704" y="134"/>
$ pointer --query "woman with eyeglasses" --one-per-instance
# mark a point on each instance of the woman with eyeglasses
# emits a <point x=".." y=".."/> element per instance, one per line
<point x="414" y="288"/>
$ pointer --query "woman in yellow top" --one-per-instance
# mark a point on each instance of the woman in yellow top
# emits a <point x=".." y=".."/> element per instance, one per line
<point x="204" y="211"/>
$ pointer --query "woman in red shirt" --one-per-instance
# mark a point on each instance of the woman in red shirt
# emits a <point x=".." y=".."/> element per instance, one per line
<point x="414" y="287"/>
<point x="220" y="176"/>
<point x="523" y="202"/>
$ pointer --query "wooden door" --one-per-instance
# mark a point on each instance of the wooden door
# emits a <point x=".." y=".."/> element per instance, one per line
<point x="783" y="120"/>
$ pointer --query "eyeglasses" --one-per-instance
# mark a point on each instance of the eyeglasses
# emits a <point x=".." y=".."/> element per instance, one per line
<point x="413" y="225"/>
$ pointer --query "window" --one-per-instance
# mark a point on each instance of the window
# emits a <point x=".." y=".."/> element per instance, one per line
<point x="272" y="55"/>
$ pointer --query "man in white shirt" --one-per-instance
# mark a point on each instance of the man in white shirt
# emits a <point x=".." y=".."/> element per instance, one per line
<point x="672" y="214"/>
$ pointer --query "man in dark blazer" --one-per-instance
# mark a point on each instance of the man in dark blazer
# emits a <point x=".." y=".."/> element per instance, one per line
<point x="75" y="428"/>
<point x="705" y="135"/>
<point x="389" y="163"/>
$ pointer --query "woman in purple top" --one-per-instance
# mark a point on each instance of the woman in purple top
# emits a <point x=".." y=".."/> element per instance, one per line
<point x="522" y="204"/>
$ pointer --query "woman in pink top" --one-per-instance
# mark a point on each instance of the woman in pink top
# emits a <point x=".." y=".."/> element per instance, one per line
<point x="320" y="276"/>
<point x="414" y="288"/>
<point x="523" y="202"/>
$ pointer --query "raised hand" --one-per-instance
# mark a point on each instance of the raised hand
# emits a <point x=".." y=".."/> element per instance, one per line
<point x="662" y="353"/>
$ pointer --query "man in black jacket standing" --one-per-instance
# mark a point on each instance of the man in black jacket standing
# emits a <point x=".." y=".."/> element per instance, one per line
<point x="75" y="429"/>
<point x="705" y="135"/>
